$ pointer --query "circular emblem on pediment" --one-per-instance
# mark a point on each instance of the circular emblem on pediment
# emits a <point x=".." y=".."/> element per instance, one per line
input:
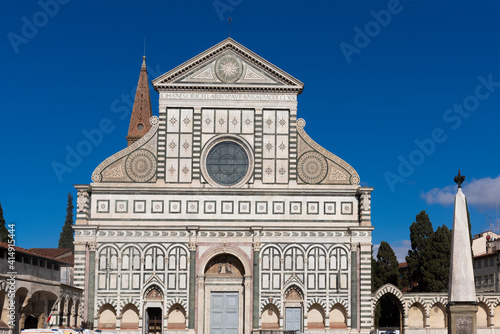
<point x="312" y="167"/>
<point x="154" y="120"/>
<point x="96" y="177"/>
<point x="301" y="123"/>
<point x="141" y="166"/>
<point x="228" y="68"/>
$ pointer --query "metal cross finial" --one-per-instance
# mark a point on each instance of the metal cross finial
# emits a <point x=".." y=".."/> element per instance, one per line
<point x="459" y="179"/>
<point x="229" y="19"/>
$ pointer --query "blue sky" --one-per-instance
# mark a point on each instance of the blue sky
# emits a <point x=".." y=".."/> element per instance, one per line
<point x="407" y="92"/>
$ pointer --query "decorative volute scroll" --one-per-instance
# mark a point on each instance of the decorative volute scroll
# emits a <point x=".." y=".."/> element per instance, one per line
<point x="136" y="163"/>
<point x="82" y="201"/>
<point x="315" y="165"/>
<point x="231" y="66"/>
<point x="365" y="202"/>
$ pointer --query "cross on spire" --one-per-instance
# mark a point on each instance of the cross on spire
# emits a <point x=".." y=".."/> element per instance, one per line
<point x="229" y="20"/>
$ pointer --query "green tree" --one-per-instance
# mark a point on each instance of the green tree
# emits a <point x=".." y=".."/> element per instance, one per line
<point x="420" y="232"/>
<point x="437" y="266"/>
<point x="376" y="282"/>
<point x="66" y="237"/>
<point x="429" y="257"/>
<point x="387" y="266"/>
<point x="4" y="233"/>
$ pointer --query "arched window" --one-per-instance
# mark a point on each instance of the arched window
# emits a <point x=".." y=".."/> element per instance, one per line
<point x="177" y="269"/>
<point x="131" y="267"/>
<point x="108" y="268"/>
<point x="154" y="262"/>
<point x="294" y="259"/>
<point x="339" y="269"/>
<point x="271" y="269"/>
<point x="316" y="268"/>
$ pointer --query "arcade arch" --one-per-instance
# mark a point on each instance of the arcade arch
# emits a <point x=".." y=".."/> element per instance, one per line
<point x="387" y="307"/>
<point x="106" y="317"/>
<point x="338" y="316"/>
<point x="482" y="315"/>
<point x="130" y="317"/>
<point x="270" y="317"/>
<point x="176" y="317"/>
<point x="416" y="316"/>
<point x="438" y="317"/>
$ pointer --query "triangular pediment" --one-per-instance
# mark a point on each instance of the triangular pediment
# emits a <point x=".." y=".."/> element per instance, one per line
<point x="154" y="279"/>
<point x="228" y="64"/>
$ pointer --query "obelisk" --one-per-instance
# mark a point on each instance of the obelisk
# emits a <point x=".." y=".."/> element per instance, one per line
<point x="462" y="305"/>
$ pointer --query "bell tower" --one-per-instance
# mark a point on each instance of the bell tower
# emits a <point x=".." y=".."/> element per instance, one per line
<point x="141" y="112"/>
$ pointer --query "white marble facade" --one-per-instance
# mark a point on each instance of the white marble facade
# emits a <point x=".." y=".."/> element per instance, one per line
<point x="225" y="208"/>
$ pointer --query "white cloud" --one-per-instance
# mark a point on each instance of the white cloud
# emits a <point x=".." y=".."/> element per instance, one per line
<point x="483" y="194"/>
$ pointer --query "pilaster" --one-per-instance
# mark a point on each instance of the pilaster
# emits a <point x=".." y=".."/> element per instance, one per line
<point x="364" y="197"/>
<point x="256" y="280"/>
<point x="92" y="282"/>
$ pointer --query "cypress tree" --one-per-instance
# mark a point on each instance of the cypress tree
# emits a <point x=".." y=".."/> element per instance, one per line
<point x="66" y="237"/>
<point x="387" y="265"/>
<point x="4" y="233"/>
<point x="420" y="232"/>
<point x="429" y="257"/>
<point x="437" y="266"/>
<point x="376" y="282"/>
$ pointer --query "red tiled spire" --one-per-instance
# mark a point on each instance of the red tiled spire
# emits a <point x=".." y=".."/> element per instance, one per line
<point x="141" y="112"/>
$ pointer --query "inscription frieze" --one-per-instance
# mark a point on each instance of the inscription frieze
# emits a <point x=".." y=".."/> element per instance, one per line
<point x="219" y="96"/>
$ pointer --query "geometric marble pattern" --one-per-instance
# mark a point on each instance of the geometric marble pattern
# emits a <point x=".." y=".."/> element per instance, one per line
<point x="346" y="208"/>
<point x="259" y="207"/>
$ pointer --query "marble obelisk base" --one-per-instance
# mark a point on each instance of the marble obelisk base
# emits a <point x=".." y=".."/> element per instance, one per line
<point x="462" y="318"/>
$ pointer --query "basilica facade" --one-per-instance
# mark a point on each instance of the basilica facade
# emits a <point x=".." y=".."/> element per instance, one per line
<point x="222" y="215"/>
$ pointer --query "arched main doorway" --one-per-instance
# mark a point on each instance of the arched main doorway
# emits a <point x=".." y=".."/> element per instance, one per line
<point x="153" y="310"/>
<point x="224" y="295"/>
<point x="294" y="303"/>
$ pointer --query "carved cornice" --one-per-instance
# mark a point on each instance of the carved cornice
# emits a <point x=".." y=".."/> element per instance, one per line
<point x="234" y="89"/>
<point x="166" y="80"/>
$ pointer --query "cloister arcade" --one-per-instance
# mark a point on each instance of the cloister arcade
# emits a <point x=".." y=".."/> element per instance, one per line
<point x="35" y="302"/>
<point x="426" y="312"/>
